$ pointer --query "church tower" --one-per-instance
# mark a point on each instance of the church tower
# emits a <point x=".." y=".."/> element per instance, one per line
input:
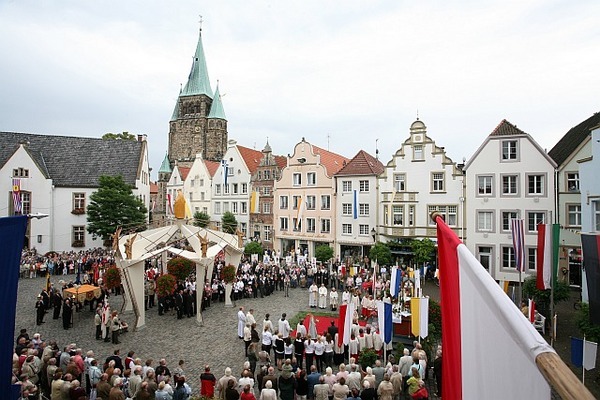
<point x="198" y="123"/>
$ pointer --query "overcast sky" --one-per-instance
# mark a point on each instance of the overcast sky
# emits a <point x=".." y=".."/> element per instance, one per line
<point x="339" y="73"/>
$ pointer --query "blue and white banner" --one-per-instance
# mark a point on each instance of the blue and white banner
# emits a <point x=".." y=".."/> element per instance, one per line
<point x="225" y="171"/>
<point x="354" y="205"/>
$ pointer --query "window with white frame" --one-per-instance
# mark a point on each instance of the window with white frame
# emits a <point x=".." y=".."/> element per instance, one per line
<point x="484" y="221"/>
<point x="283" y="223"/>
<point x="484" y="185"/>
<point x="266" y="191"/>
<point x="244" y="228"/>
<point x="225" y="207"/>
<point x="296" y="202"/>
<point x="531" y="258"/>
<point x="259" y="175"/>
<point x="235" y="188"/>
<point x="437" y="181"/>
<point x="534" y="218"/>
<point x="297" y="224"/>
<point x="411" y="215"/>
<point x="311" y="178"/>
<point x="510" y="184"/>
<point x="573" y="181"/>
<point x="20" y="173"/>
<point x="217" y="207"/>
<point x="448" y="212"/>
<point x="399" y="182"/>
<point x="363" y="230"/>
<point x="386" y="215"/>
<point x="398" y="215"/>
<point x="217" y="189"/>
<point x="297" y="179"/>
<point x="363" y="186"/>
<point x="346" y="229"/>
<point x="283" y="202"/>
<point x="596" y="216"/>
<point x="244" y="188"/>
<point x="418" y="152"/>
<point x="508" y="216"/>
<point x="266" y="208"/>
<point x="536" y="185"/>
<point x="243" y="207"/>
<point x="79" y="202"/>
<point x="267" y="233"/>
<point x="267" y="174"/>
<point x="346" y="186"/>
<point x="226" y="189"/>
<point x="310" y="225"/>
<point x="311" y="202"/>
<point x="509" y="150"/>
<point x="485" y="256"/>
<point x="205" y="210"/>
<point x="508" y="257"/>
<point x="325" y="202"/>
<point x="346" y="208"/>
<point x="229" y="171"/>
<point x="574" y="215"/>
<point x="363" y="209"/>
<point x="78" y="236"/>
<point x="325" y="225"/>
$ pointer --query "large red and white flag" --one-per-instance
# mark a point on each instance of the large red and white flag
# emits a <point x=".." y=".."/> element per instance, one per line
<point x="547" y="255"/>
<point x="345" y="323"/>
<point x="487" y="341"/>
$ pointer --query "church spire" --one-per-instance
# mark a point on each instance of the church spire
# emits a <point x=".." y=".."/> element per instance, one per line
<point x="216" y="109"/>
<point x="198" y="82"/>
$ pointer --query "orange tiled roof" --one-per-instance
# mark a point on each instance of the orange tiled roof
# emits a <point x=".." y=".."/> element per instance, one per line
<point x="251" y="157"/>
<point x="331" y="161"/>
<point x="212" y="167"/>
<point x="281" y="161"/>
<point x="505" y="128"/>
<point x="362" y="164"/>
<point x="184" y="171"/>
<point x="153" y="188"/>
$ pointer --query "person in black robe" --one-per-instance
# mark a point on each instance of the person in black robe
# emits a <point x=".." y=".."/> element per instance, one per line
<point x="57" y="301"/>
<point x="39" y="311"/>
<point x="67" y="313"/>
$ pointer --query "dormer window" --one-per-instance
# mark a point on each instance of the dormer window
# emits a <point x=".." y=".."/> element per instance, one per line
<point x="20" y="173"/>
<point x="509" y="150"/>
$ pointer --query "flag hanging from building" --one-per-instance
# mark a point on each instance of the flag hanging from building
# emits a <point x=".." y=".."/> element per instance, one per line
<point x="531" y="310"/>
<point x="396" y="280"/>
<point x="483" y="331"/>
<point x="169" y="204"/>
<point x="384" y="318"/>
<point x="16" y="195"/>
<point x="299" y="213"/>
<point x="345" y="323"/>
<point x="590" y="246"/>
<point x="355" y="205"/>
<point x="547" y="255"/>
<point x="583" y="353"/>
<point x="225" y="170"/>
<point x="254" y="202"/>
<point x="518" y="238"/>
<point x="419" y="310"/>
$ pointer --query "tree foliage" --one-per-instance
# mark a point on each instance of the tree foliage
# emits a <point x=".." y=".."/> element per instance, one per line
<point x="381" y="253"/>
<point x="118" y="136"/>
<point x="113" y="205"/>
<point x="323" y="253"/>
<point x="542" y="297"/>
<point x="423" y="250"/>
<point x="253" y="248"/>
<point x="229" y="222"/>
<point x="201" y="219"/>
<point x="588" y="329"/>
<point x="166" y="285"/>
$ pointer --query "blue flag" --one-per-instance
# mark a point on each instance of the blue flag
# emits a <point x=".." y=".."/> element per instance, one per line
<point x="577" y="352"/>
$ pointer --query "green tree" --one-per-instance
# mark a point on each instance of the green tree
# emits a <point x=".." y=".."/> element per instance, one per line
<point x="588" y="329"/>
<point x="201" y="219"/>
<point x="113" y="205"/>
<point x="118" y="136"/>
<point x="229" y="222"/>
<point x="323" y="253"/>
<point x="381" y="253"/>
<point x="423" y="250"/>
<point x="542" y="297"/>
<point x="253" y="248"/>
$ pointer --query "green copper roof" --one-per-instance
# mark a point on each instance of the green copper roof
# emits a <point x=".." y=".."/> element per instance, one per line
<point x="198" y="82"/>
<point x="176" y="109"/>
<point x="165" y="167"/>
<point x="216" y="109"/>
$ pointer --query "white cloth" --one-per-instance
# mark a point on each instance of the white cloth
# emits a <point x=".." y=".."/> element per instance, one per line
<point x="284" y="328"/>
<point x="333" y="298"/>
<point x="322" y="297"/>
<point x="312" y="295"/>
<point x="241" y="323"/>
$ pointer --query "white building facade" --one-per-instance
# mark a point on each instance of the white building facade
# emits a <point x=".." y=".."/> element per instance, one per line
<point x="509" y="177"/>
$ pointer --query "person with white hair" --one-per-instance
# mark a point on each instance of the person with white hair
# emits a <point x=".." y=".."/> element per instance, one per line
<point x="368" y="392"/>
<point x="404" y="365"/>
<point x="222" y="383"/>
<point x="268" y="393"/>
<point x="116" y="392"/>
<point x="385" y="391"/>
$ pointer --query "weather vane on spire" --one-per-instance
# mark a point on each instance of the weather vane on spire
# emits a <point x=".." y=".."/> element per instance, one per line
<point x="200" y="22"/>
<point x="417" y="113"/>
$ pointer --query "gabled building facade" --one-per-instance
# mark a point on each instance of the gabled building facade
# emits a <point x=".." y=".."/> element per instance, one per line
<point x="304" y="211"/>
<point x="509" y="177"/>
<point x="175" y="184"/>
<point x="356" y="197"/>
<point x="198" y="184"/>
<point x="574" y="146"/>
<point x="261" y="196"/>
<point x="231" y="185"/>
<point x="50" y="183"/>
<point x="418" y="180"/>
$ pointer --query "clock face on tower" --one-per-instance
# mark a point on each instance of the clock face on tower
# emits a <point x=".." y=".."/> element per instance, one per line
<point x="196" y="129"/>
<point x="418" y="138"/>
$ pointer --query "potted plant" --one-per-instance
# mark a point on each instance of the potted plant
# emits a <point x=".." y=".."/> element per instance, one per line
<point x="165" y="285"/>
<point x="367" y="358"/>
<point x="180" y="267"/>
<point x="112" y="277"/>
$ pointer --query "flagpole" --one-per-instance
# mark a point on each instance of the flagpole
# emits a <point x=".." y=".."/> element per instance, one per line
<point x="583" y="362"/>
